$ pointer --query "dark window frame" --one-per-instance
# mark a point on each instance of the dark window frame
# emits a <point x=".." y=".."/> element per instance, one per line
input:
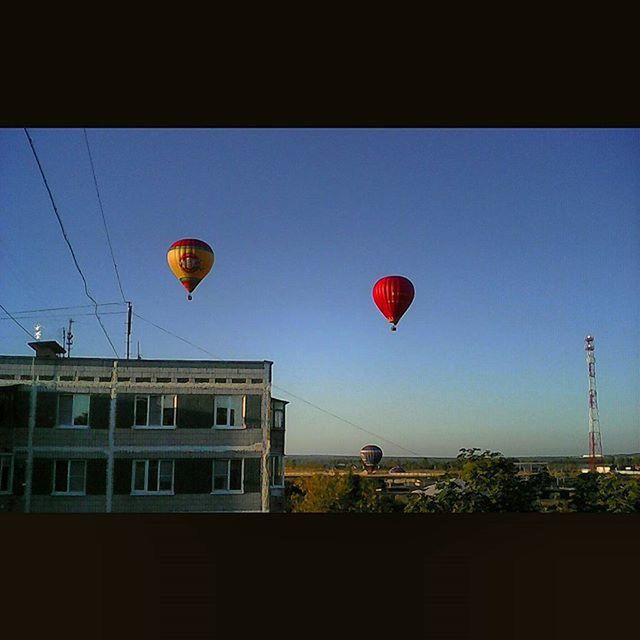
<point x="146" y="491"/>
<point x="3" y="465"/>
<point x="147" y="424"/>
<point x="68" y="492"/>
<point x="226" y="491"/>
<point x="243" y="409"/>
<point x="64" y="425"/>
<point x="276" y="463"/>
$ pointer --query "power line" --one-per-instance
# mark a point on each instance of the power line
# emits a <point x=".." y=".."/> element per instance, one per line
<point x="95" y="181"/>
<point x="78" y="306"/>
<point x="353" y="424"/>
<point x="311" y="404"/>
<point x="75" y="315"/>
<point x="73" y="255"/>
<point x="175" y="335"/>
<point x="29" y="334"/>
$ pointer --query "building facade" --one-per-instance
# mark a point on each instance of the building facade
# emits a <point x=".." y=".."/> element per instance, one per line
<point x="110" y="435"/>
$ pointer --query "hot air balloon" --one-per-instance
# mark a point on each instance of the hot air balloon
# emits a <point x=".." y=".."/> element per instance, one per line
<point x="370" y="454"/>
<point x="393" y="295"/>
<point x="190" y="260"/>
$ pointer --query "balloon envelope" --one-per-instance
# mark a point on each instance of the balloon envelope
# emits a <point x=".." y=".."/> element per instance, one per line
<point x="370" y="455"/>
<point x="393" y="295"/>
<point x="190" y="260"/>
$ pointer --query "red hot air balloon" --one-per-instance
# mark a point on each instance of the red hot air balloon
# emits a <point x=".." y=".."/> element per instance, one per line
<point x="393" y="295"/>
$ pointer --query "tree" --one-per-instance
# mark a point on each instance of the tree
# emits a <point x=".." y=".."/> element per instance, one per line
<point x="490" y="483"/>
<point x="619" y="494"/>
<point x="585" y="497"/>
<point x="341" y="493"/>
<point x="595" y="492"/>
<point x="293" y="493"/>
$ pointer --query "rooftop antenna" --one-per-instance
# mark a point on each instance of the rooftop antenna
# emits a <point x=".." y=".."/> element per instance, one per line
<point x="69" y="338"/>
<point x="128" y="329"/>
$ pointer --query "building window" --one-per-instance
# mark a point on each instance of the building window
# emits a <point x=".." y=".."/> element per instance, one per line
<point x="6" y="473"/>
<point x="277" y="471"/>
<point x="73" y="410"/>
<point x="229" y="412"/>
<point x="278" y="418"/>
<point x="69" y="477"/>
<point x="155" y="411"/>
<point x="228" y="476"/>
<point x="152" y="477"/>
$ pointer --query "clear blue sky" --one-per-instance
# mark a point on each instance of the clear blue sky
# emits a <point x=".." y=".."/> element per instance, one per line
<point x="519" y="243"/>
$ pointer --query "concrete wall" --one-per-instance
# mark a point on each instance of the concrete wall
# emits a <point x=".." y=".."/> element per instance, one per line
<point x="68" y="437"/>
<point x="187" y="503"/>
<point x="187" y="437"/>
<point x="138" y="504"/>
<point x="68" y="504"/>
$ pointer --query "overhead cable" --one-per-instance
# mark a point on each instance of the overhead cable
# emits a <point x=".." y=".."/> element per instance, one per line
<point x="12" y="318"/>
<point x="33" y="316"/>
<point x="78" y="306"/>
<point x="311" y="404"/>
<point x="104" y="221"/>
<point x="73" y="255"/>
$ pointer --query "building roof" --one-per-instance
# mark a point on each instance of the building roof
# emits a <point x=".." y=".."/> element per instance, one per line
<point x="46" y="348"/>
<point x="144" y="363"/>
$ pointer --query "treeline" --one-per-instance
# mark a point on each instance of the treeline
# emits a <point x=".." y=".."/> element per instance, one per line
<point x="557" y="466"/>
<point x="487" y="482"/>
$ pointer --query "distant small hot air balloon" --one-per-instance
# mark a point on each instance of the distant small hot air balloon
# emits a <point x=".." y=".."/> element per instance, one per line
<point x="393" y="295"/>
<point x="370" y="454"/>
<point x="396" y="470"/>
<point x="190" y="260"/>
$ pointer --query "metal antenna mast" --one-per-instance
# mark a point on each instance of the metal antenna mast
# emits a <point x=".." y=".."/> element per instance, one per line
<point x="69" y="338"/>
<point x="595" y="438"/>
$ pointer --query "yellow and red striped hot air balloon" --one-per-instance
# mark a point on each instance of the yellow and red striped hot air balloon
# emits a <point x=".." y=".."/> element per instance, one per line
<point x="190" y="260"/>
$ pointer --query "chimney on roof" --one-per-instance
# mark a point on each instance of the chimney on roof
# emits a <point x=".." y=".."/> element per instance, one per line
<point x="47" y="349"/>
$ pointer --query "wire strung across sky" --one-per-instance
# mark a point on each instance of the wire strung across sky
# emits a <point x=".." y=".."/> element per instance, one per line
<point x="73" y="255"/>
<point x="12" y="318"/>
<point x="311" y="404"/>
<point x="95" y="303"/>
<point x="157" y="326"/>
<point x="77" y="306"/>
<point x="33" y="316"/>
<point x="106" y="230"/>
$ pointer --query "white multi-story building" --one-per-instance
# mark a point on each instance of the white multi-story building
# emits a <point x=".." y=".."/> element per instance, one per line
<point x="111" y="435"/>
